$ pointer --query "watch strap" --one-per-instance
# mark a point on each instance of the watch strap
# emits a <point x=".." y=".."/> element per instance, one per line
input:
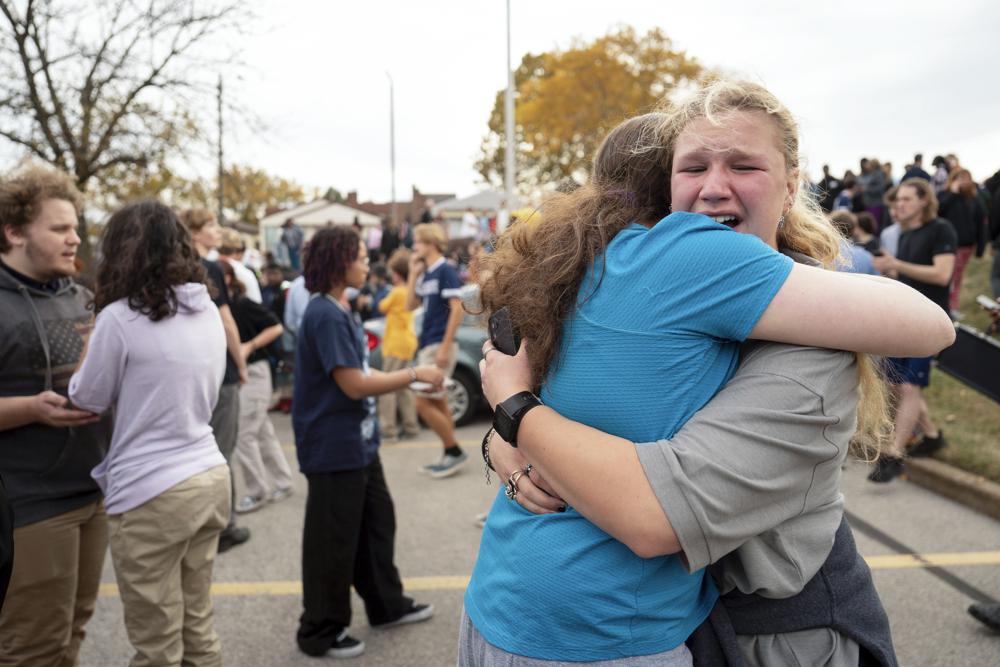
<point x="511" y="412"/>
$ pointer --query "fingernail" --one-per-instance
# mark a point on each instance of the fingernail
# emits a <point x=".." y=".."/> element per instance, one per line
<point x="561" y="508"/>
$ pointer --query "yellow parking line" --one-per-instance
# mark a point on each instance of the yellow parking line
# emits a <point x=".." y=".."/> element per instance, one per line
<point x="458" y="583"/>
<point x="905" y="561"/>
<point x="407" y="444"/>
<point x="273" y="588"/>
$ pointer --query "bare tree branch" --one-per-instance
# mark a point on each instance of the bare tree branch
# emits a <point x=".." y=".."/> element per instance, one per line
<point x="41" y="48"/>
<point x="42" y="113"/>
<point x="101" y="88"/>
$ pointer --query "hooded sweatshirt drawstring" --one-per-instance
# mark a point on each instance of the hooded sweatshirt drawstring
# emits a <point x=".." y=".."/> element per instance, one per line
<point x="40" y="328"/>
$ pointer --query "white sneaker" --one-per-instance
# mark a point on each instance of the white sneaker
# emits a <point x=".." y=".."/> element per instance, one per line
<point x="280" y="494"/>
<point x="249" y="504"/>
<point x="447" y="467"/>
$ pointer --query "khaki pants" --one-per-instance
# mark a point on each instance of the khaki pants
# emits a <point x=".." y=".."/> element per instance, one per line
<point x="403" y="398"/>
<point x="258" y="452"/>
<point x="163" y="552"/>
<point x="53" y="588"/>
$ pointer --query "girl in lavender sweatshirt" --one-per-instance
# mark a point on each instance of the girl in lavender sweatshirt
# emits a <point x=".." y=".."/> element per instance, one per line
<point x="157" y="356"/>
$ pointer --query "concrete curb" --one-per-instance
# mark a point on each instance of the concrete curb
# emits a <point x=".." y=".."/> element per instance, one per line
<point x="972" y="490"/>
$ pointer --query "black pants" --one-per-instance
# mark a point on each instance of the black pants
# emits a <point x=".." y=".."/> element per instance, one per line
<point x="349" y="538"/>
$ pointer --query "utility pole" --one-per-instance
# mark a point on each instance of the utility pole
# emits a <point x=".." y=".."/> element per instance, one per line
<point x="392" y="149"/>
<point x="508" y="172"/>
<point x="222" y="214"/>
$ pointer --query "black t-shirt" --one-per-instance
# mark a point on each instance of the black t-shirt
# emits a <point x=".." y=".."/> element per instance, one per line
<point x="919" y="246"/>
<point x="220" y="298"/>
<point x="252" y="318"/>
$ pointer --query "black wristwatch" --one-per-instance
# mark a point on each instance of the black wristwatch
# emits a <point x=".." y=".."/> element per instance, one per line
<point x="508" y="414"/>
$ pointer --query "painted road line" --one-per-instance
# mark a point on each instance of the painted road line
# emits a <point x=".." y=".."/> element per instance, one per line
<point x="408" y="444"/>
<point x="274" y="588"/>
<point x="904" y="561"/>
<point x="891" y="562"/>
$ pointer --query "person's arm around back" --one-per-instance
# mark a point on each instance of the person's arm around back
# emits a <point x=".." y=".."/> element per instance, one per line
<point x="598" y="474"/>
<point x="631" y="491"/>
<point x="845" y="311"/>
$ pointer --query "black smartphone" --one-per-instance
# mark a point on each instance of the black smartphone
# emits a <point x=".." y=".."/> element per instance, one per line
<point x="503" y="333"/>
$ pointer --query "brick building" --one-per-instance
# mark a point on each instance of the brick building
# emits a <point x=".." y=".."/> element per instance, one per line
<point x="413" y="208"/>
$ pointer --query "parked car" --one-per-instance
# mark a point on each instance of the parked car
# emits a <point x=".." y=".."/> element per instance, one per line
<point x="465" y="396"/>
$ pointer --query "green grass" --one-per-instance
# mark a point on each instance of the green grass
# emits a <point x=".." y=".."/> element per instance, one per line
<point x="970" y="420"/>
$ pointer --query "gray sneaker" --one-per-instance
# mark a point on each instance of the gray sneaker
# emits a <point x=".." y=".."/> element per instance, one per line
<point x="447" y="466"/>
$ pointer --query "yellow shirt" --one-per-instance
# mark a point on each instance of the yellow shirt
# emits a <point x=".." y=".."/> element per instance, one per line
<point x="399" y="340"/>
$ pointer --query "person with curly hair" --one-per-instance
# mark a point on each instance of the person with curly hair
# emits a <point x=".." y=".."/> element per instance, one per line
<point x="47" y="446"/>
<point x="639" y="328"/>
<point x="350" y="522"/>
<point x="157" y="356"/>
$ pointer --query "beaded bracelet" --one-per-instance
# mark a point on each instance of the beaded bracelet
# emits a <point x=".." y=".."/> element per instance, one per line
<point x="486" y="454"/>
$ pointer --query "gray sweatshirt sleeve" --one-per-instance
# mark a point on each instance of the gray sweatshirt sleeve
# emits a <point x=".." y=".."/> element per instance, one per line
<point x="763" y="453"/>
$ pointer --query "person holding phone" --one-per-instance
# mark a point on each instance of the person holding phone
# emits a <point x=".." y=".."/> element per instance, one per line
<point x="668" y="299"/>
<point x="350" y="523"/>
<point x="47" y="446"/>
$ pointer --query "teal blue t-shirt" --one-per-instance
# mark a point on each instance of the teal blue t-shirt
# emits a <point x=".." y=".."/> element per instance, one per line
<point x="655" y="335"/>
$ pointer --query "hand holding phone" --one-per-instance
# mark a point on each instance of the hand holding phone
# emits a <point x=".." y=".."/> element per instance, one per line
<point x="503" y="333"/>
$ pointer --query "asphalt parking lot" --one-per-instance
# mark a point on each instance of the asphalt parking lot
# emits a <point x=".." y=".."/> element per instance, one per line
<point x="257" y="601"/>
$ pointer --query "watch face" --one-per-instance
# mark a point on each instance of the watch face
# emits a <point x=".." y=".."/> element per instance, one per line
<point x="502" y="422"/>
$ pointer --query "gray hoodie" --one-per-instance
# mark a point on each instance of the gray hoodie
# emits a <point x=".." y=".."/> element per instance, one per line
<point x="46" y="469"/>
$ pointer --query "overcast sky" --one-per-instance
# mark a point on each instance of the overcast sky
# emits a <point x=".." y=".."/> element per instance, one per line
<point x="881" y="78"/>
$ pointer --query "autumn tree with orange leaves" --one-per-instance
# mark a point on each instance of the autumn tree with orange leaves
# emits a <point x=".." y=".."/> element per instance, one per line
<point x="567" y="100"/>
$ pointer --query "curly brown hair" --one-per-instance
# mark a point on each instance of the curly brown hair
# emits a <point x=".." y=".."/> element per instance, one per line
<point x="331" y="252"/>
<point x="537" y="270"/>
<point x="22" y="194"/>
<point x="145" y="253"/>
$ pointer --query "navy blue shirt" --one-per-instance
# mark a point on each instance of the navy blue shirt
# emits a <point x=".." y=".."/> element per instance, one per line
<point x="333" y="432"/>
<point x="438" y="284"/>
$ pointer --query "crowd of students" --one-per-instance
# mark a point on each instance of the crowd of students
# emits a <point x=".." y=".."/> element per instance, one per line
<point x="923" y="231"/>
<point x="125" y="408"/>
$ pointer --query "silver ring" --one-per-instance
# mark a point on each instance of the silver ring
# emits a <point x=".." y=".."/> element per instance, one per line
<point x="511" y="489"/>
<point x="528" y="469"/>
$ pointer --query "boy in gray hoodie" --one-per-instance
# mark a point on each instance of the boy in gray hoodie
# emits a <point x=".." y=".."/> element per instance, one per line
<point x="47" y="447"/>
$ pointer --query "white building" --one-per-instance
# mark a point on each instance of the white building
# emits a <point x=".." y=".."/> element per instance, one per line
<point x="310" y="218"/>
